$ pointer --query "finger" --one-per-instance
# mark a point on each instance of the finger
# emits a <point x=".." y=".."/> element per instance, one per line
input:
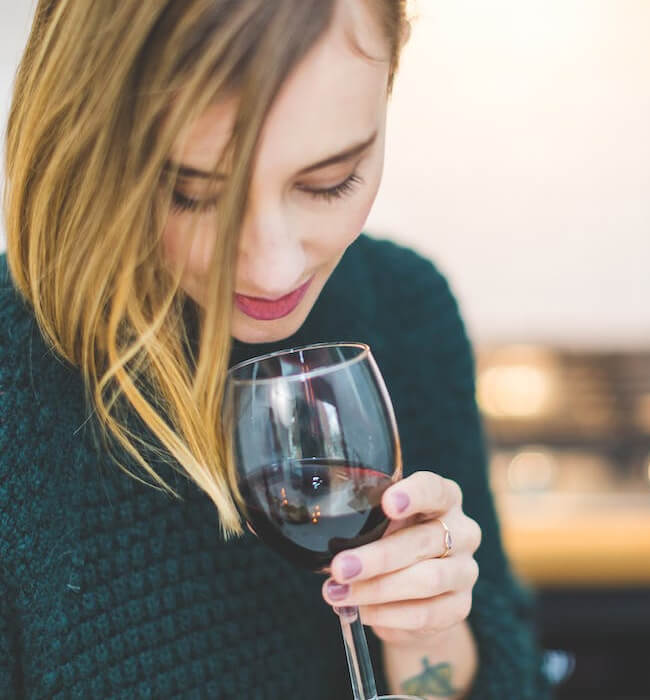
<point x="397" y="551"/>
<point x="422" y="492"/>
<point x="420" y="616"/>
<point x="423" y="580"/>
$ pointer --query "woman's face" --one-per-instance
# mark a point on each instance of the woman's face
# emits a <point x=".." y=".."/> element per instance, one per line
<point x="315" y="178"/>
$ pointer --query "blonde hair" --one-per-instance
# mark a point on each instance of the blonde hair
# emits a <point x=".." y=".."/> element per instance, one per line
<point x="103" y="92"/>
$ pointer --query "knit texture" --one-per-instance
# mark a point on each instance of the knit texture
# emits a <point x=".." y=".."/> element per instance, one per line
<point x="111" y="589"/>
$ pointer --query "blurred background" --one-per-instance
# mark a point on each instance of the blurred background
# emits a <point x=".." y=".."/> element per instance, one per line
<point x="518" y="159"/>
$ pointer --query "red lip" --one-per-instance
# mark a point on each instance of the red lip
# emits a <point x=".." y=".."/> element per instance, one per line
<point x="267" y="309"/>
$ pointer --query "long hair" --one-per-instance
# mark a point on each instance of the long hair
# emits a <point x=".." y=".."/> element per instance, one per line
<point x="102" y="94"/>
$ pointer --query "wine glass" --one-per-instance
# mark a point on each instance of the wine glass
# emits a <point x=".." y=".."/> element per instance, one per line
<point x="314" y="442"/>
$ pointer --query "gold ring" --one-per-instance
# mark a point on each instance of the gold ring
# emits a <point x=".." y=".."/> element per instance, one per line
<point x="448" y="541"/>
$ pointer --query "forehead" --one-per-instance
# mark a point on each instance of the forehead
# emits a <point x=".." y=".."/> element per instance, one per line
<point x="334" y="97"/>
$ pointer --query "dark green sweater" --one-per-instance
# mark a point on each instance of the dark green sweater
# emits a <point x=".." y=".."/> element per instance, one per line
<point x="109" y="588"/>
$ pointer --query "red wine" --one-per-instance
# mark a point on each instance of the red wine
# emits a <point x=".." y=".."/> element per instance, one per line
<point x="309" y="510"/>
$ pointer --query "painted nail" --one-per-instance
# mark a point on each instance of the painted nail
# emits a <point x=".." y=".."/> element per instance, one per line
<point x="337" y="591"/>
<point x="401" y="501"/>
<point x="350" y="566"/>
<point x="349" y="614"/>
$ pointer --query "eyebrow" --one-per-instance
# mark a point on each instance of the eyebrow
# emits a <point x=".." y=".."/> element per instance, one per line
<point x="188" y="172"/>
<point x="350" y="152"/>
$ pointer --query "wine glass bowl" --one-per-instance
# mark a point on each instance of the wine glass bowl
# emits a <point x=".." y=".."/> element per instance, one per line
<point x="315" y="445"/>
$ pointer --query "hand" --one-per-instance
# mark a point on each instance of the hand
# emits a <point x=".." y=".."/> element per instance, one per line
<point x="405" y="591"/>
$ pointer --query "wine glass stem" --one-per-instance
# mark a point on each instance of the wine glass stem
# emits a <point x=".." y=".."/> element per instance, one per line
<point x="356" y="649"/>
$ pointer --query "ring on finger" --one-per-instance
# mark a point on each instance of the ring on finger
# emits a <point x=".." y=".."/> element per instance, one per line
<point x="447" y="541"/>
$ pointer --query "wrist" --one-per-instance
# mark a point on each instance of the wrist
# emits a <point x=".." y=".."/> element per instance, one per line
<point x="425" y="642"/>
<point x="448" y="659"/>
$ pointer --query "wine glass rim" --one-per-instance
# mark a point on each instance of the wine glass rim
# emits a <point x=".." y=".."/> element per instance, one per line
<point x="317" y="371"/>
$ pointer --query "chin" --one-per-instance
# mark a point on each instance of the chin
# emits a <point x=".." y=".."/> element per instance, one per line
<point x="248" y="330"/>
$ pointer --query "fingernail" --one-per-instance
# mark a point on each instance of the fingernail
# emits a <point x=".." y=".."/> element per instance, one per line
<point x="401" y="501"/>
<point x="349" y="614"/>
<point x="350" y="566"/>
<point x="337" y="591"/>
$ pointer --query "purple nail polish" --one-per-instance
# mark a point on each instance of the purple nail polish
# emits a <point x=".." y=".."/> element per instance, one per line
<point x="401" y="501"/>
<point x="349" y="614"/>
<point x="337" y="591"/>
<point x="350" y="566"/>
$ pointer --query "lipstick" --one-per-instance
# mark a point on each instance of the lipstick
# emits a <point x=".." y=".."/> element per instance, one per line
<point x="270" y="309"/>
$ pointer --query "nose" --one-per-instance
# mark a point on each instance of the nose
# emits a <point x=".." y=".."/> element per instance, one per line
<point x="271" y="260"/>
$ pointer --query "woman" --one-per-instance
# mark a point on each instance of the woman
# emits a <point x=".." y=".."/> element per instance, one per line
<point x="180" y="174"/>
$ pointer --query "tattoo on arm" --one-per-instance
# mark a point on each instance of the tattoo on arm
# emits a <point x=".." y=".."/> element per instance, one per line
<point x="433" y="680"/>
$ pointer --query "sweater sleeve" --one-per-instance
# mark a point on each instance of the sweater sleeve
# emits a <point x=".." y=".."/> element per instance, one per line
<point x="430" y="375"/>
<point x="10" y="675"/>
<point x="8" y="657"/>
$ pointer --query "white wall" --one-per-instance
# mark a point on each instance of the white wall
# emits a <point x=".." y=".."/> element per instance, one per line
<point x="15" y="19"/>
<point x="519" y="159"/>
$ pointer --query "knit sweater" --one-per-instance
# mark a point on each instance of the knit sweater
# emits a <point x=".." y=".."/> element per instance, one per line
<point x="112" y="589"/>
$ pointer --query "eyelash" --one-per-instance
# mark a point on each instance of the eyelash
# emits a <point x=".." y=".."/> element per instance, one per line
<point x="182" y="203"/>
<point x="343" y="188"/>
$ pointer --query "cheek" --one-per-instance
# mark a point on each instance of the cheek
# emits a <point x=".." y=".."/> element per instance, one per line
<point x="365" y="198"/>
<point x="348" y="218"/>
<point x="171" y="240"/>
<point x="189" y="248"/>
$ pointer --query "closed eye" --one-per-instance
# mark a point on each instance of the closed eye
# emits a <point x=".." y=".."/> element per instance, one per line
<point x="180" y="202"/>
<point x="346" y="187"/>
